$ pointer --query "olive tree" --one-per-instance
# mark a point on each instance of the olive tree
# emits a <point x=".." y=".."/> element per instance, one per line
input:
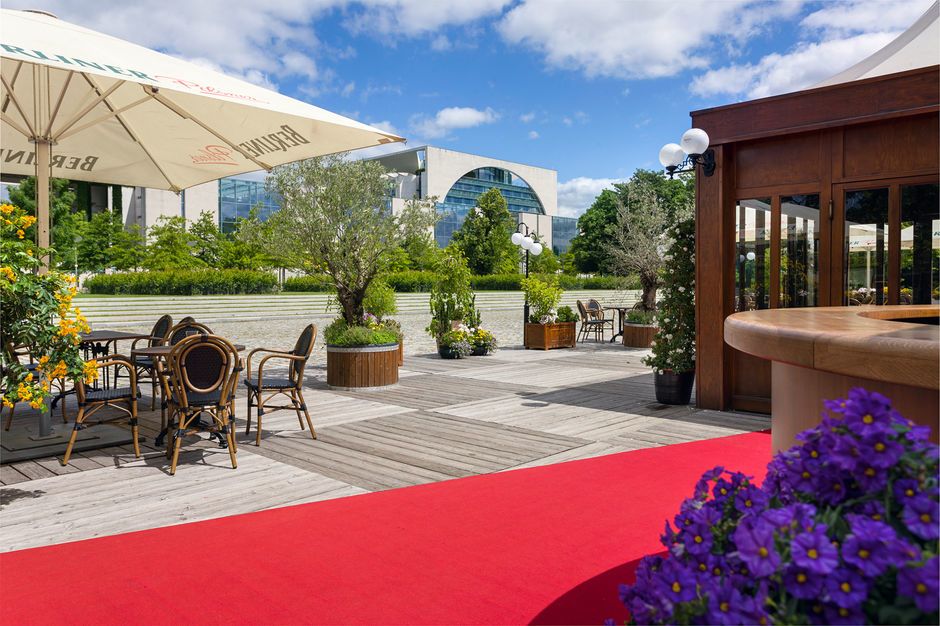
<point x="638" y="242"/>
<point x="334" y="218"/>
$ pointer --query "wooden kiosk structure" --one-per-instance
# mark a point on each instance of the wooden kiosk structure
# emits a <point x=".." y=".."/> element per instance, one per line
<point x="823" y="197"/>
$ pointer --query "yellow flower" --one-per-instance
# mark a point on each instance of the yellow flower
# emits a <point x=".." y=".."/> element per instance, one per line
<point x="7" y="402"/>
<point x="6" y="209"/>
<point x="9" y="273"/>
<point x="91" y="370"/>
<point x="36" y="404"/>
<point x="59" y="371"/>
<point x="43" y="360"/>
<point x="27" y="220"/>
<point x="20" y="233"/>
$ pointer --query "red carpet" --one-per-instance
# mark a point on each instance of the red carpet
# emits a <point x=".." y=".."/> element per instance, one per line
<point x="542" y="545"/>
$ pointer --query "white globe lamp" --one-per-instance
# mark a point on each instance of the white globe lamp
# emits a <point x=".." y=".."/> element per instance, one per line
<point x="527" y="243"/>
<point x="671" y="155"/>
<point x="694" y="141"/>
<point x="516" y="239"/>
<point x="536" y="248"/>
<point x="751" y="256"/>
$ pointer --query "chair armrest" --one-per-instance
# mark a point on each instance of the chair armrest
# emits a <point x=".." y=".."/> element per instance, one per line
<point x="155" y="340"/>
<point x="252" y="353"/>
<point x="276" y="355"/>
<point x="118" y="360"/>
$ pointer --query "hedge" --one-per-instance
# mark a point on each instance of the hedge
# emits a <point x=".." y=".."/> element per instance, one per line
<point x="320" y="282"/>
<point x="411" y="281"/>
<point x="183" y="282"/>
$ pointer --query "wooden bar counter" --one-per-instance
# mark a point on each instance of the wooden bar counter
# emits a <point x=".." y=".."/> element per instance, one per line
<point x="820" y="353"/>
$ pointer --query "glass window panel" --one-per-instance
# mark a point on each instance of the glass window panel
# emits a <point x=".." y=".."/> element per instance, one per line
<point x="920" y="244"/>
<point x="799" y="244"/>
<point x="752" y="267"/>
<point x="866" y="246"/>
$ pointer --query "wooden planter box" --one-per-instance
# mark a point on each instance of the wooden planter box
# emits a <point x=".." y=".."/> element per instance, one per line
<point x="639" y="335"/>
<point x="401" y="353"/>
<point x="549" y="336"/>
<point x="362" y="367"/>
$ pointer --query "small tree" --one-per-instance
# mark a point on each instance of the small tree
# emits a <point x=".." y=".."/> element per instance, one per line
<point x="638" y="238"/>
<point x="418" y="242"/>
<point x="128" y="249"/>
<point x="171" y="246"/>
<point x="333" y="219"/>
<point x="451" y="297"/>
<point x="484" y="236"/>
<point x="207" y="240"/>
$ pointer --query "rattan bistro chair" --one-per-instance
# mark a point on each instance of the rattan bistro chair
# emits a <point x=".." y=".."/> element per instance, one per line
<point x="589" y="324"/>
<point x="203" y="375"/>
<point x="291" y="386"/>
<point x="146" y="369"/>
<point x="597" y="312"/>
<point x="91" y="400"/>
<point x="186" y="328"/>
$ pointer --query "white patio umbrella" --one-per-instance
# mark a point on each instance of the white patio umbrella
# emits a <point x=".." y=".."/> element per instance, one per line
<point x="82" y="105"/>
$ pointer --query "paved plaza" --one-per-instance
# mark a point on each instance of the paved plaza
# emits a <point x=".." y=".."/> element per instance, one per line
<point x="445" y="419"/>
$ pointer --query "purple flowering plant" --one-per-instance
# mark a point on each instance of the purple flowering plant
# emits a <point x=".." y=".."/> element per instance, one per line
<point x="843" y="530"/>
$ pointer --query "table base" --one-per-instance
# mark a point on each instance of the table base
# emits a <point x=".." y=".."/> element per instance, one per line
<point x="23" y="444"/>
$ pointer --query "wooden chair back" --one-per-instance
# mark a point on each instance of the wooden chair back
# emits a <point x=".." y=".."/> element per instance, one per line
<point x="203" y="366"/>
<point x="303" y="347"/>
<point x="160" y="330"/>
<point x="595" y="309"/>
<point x="583" y="312"/>
<point x="185" y="329"/>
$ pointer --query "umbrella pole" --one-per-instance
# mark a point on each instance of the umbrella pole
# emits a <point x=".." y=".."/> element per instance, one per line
<point x="43" y="156"/>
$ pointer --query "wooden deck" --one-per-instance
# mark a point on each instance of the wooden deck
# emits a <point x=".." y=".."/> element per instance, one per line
<point x="446" y="419"/>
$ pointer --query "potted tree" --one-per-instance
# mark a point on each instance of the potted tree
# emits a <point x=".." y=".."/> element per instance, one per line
<point x="544" y="330"/>
<point x="334" y="220"/>
<point x="673" y="358"/>
<point x="639" y="328"/>
<point x="451" y="298"/>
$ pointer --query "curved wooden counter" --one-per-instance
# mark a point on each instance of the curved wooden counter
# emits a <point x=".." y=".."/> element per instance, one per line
<point x="820" y="353"/>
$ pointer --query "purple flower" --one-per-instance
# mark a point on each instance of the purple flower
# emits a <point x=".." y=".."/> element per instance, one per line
<point x="750" y="500"/>
<point x="814" y="552"/>
<point x="921" y="584"/>
<point x="921" y="517"/>
<point x="870" y="546"/>
<point x="882" y="452"/>
<point x="867" y="413"/>
<point x="697" y="539"/>
<point x="906" y="490"/>
<point x="802" y="583"/>
<point x="832" y="491"/>
<point x="871" y="478"/>
<point x="674" y="582"/>
<point x="755" y="542"/>
<point x="872" y="510"/>
<point x="843" y="615"/>
<point x="846" y="453"/>
<point x="846" y="588"/>
<point x="725" y="606"/>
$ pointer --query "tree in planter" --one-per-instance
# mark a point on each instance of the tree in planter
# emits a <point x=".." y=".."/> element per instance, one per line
<point x="484" y="236"/>
<point x="674" y="346"/>
<point x="333" y="219"/>
<point x="451" y="297"/>
<point x="543" y="297"/>
<point x="637" y="240"/>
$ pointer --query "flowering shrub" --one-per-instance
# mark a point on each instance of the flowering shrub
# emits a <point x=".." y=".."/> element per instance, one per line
<point x="843" y="531"/>
<point x="35" y="311"/>
<point x="370" y="333"/>
<point x="482" y="339"/>
<point x="543" y="296"/>
<point x="674" y="344"/>
<point x="457" y="340"/>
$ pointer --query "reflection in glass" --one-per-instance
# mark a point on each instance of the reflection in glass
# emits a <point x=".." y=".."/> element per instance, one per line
<point x="866" y="246"/>
<point x="799" y="243"/>
<point x="920" y="244"/>
<point x="752" y="266"/>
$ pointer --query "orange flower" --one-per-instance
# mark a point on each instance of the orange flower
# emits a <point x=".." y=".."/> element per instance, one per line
<point x="20" y="233"/>
<point x="9" y="273"/>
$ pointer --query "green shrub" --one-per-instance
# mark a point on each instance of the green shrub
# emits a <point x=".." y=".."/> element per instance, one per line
<point x="411" y="281"/>
<point x="610" y="282"/>
<point x="183" y="282"/>
<point x="380" y="299"/>
<point x="641" y="317"/>
<point x="339" y="333"/>
<point x="543" y="296"/>
<point x="320" y="282"/>
<point x="497" y="282"/>
<point x="566" y="314"/>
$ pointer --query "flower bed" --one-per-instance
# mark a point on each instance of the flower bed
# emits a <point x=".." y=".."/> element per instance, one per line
<point x="843" y="530"/>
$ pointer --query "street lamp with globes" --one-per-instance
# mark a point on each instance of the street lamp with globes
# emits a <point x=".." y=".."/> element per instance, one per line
<point x="530" y="245"/>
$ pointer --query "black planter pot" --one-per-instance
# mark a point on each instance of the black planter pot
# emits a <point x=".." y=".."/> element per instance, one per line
<point x="447" y="353"/>
<point x="478" y="351"/>
<point x="674" y="388"/>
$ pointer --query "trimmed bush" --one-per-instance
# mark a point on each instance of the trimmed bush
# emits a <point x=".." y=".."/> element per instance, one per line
<point x="497" y="282"/>
<point x="320" y="283"/>
<point x="410" y="281"/>
<point x="183" y="283"/>
<point x="339" y="333"/>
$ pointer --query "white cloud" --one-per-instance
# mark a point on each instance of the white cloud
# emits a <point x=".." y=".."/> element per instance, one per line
<point x="441" y="43"/>
<point x="575" y="196"/>
<point x="348" y="89"/>
<point x="377" y="90"/>
<point x="451" y="118"/>
<point x="567" y="121"/>
<point x="525" y="118"/>
<point x="533" y="134"/>
<point x="416" y="17"/>
<point x="637" y="39"/>
<point x="836" y="37"/>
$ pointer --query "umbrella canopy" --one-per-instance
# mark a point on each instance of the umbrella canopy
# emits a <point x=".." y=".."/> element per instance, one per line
<point x="82" y="105"/>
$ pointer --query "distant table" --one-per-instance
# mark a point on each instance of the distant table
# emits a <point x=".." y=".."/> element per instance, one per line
<point x="163" y="350"/>
<point x="621" y="313"/>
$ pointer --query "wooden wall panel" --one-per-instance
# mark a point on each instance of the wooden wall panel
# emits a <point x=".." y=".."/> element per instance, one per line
<point x="779" y="161"/>
<point x="900" y="147"/>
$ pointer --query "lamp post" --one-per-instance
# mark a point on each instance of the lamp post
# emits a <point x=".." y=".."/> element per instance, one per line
<point x="529" y="244"/>
<point x="691" y="150"/>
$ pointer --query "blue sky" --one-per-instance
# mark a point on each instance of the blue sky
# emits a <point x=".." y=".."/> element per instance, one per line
<point x="591" y="88"/>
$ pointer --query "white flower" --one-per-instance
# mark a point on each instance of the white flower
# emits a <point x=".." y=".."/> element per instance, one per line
<point x="681" y="288"/>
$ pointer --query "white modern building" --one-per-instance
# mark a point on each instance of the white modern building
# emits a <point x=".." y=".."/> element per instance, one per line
<point x="457" y="179"/>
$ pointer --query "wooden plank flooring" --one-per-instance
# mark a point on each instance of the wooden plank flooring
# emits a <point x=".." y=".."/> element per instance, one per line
<point x="445" y="420"/>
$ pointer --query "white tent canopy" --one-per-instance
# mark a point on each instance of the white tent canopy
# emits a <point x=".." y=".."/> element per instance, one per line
<point x="918" y="46"/>
<point x="116" y="112"/>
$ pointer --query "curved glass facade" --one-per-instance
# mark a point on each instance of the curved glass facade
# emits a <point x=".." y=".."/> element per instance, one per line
<point x="464" y="193"/>
<point x="238" y="197"/>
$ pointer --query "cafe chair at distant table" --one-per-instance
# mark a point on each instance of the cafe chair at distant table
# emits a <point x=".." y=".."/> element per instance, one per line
<point x="146" y="369"/>
<point x="263" y="388"/>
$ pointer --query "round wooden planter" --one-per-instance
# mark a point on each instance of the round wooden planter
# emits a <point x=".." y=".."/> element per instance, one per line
<point x="362" y="367"/>
<point x="638" y="335"/>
